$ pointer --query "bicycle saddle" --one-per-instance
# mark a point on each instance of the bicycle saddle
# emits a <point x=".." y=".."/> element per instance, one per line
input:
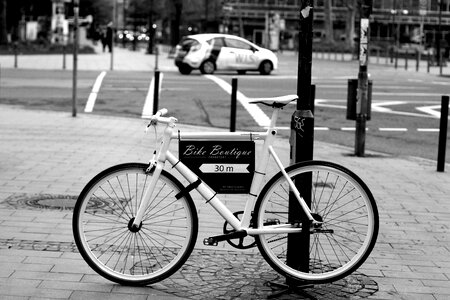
<point x="279" y="101"/>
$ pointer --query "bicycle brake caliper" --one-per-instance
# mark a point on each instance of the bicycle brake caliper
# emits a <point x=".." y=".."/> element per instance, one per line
<point x="151" y="167"/>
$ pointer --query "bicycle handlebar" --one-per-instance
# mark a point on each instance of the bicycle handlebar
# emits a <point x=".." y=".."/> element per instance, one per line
<point x="158" y="118"/>
<point x="161" y="112"/>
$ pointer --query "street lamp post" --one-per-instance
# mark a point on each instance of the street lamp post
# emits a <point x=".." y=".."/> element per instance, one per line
<point x="76" y="6"/>
<point x="438" y="38"/>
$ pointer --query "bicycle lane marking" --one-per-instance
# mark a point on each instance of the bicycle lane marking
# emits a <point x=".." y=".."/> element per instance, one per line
<point x="93" y="95"/>
<point x="147" y="110"/>
<point x="257" y="114"/>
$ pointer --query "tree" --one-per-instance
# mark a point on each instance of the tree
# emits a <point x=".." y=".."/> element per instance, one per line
<point x="3" y="32"/>
<point x="176" y="21"/>
<point x="350" y="24"/>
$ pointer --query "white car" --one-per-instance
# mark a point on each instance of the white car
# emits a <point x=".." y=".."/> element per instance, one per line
<point x="211" y="52"/>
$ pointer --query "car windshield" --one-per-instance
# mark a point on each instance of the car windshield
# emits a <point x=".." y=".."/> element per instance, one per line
<point x="187" y="43"/>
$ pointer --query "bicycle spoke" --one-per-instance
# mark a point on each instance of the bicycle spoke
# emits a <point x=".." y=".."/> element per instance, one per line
<point x="144" y="254"/>
<point x="340" y="242"/>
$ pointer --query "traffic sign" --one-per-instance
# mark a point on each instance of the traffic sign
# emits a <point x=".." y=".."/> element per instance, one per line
<point x="226" y="166"/>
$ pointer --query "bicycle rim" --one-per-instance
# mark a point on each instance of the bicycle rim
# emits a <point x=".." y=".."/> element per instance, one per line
<point x="102" y="226"/>
<point x="350" y="222"/>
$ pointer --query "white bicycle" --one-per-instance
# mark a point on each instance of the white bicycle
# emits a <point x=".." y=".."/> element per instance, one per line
<point x="136" y="224"/>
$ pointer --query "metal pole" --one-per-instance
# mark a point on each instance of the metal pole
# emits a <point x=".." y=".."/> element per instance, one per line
<point x="156" y="56"/>
<point x="156" y="92"/>
<point x="438" y="38"/>
<point x="363" y="80"/>
<point x="417" y="60"/>
<point x="15" y="55"/>
<point x="114" y="24"/>
<point x="443" y="127"/>
<point x="64" y="56"/>
<point x="76" y="4"/>
<point x="234" y="87"/>
<point x="406" y="60"/>
<point x="302" y="143"/>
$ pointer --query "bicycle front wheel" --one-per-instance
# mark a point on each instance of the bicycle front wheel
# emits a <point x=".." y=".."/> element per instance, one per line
<point x="339" y="199"/>
<point x="102" y="229"/>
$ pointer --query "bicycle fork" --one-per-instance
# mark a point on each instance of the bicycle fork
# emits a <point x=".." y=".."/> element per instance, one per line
<point x="155" y="168"/>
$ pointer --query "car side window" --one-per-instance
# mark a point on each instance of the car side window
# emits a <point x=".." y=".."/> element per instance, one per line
<point x="218" y="42"/>
<point x="237" y="44"/>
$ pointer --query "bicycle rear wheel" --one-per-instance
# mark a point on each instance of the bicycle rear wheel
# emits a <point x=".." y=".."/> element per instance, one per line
<point x="102" y="221"/>
<point x="341" y="200"/>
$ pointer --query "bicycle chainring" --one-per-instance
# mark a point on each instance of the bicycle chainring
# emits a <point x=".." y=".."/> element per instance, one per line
<point x="239" y="243"/>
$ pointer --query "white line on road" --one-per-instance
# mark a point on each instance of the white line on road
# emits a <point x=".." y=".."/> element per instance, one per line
<point x="393" y="129"/>
<point x="428" y="129"/>
<point x="93" y="95"/>
<point x="257" y="114"/>
<point x="379" y="129"/>
<point x="147" y="111"/>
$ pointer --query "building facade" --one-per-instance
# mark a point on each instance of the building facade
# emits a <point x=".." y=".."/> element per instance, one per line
<point x="392" y="21"/>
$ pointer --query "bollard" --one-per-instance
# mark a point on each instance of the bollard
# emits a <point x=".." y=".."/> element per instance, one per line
<point x="417" y="60"/>
<point x="234" y="85"/>
<point x="156" y="92"/>
<point x="15" y="55"/>
<point x="443" y="127"/>
<point x="396" y="59"/>
<point x="64" y="57"/>
<point x="406" y="60"/>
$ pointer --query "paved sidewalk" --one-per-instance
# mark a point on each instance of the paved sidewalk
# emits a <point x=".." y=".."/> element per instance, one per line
<point x="121" y="60"/>
<point x="47" y="157"/>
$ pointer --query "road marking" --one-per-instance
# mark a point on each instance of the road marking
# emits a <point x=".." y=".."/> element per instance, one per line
<point x="257" y="114"/>
<point x="379" y="106"/>
<point x="147" y="110"/>
<point x="431" y="110"/>
<point x="93" y="95"/>
<point x="379" y="129"/>
<point x="428" y="129"/>
<point x="393" y="129"/>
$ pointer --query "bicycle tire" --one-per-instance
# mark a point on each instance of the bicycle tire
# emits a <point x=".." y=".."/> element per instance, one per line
<point x="350" y="222"/>
<point x="102" y="230"/>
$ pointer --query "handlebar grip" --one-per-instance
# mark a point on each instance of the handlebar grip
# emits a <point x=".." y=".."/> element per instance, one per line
<point x="161" y="112"/>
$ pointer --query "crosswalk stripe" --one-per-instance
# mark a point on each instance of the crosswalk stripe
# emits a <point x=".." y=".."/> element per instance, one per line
<point x="93" y="95"/>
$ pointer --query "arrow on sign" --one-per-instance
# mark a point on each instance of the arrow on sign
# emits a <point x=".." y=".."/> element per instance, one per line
<point x="224" y="168"/>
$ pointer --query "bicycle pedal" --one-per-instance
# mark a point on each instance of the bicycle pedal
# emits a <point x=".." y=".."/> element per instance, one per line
<point x="210" y="242"/>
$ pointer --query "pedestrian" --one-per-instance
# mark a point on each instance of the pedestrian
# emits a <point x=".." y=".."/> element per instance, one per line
<point x="103" y="38"/>
<point x="109" y="36"/>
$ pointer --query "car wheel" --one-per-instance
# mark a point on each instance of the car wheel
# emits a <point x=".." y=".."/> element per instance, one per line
<point x="207" y="67"/>
<point x="265" y="67"/>
<point x="185" y="69"/>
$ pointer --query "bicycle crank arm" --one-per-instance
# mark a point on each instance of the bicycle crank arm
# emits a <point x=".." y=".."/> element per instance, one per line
<point x="214" y="240"/>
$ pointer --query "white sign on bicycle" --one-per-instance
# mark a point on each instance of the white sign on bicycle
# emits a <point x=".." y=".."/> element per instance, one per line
<point x="224" y="168"/>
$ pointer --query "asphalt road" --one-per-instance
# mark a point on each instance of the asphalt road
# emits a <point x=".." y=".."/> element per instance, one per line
<point x="405" y="109"/>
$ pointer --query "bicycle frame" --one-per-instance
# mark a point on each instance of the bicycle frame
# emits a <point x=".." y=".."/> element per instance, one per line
<point x="163" y="154"/>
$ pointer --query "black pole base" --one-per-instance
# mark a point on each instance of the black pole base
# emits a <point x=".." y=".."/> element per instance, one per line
<point x="287" y="289"/>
